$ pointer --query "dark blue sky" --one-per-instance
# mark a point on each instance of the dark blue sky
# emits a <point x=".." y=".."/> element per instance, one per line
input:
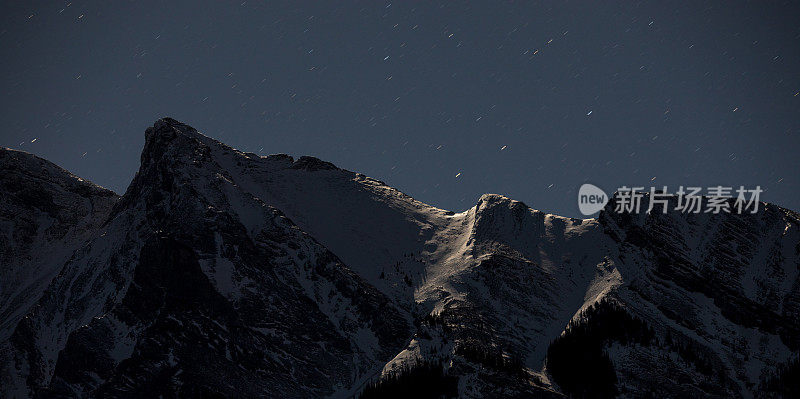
<point x="529" y="100"/>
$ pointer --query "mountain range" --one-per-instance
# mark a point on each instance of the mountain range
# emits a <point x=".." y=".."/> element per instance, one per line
<point x="222" y="273"/>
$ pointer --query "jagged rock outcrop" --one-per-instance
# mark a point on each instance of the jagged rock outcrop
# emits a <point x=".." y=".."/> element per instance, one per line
<point x="45" y="214"/>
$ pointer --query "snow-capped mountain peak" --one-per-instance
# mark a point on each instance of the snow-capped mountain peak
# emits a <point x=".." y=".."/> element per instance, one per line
<point x="226" y="273"/>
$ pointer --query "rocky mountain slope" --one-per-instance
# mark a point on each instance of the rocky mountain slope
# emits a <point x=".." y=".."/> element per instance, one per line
<point x="222" y="273"/>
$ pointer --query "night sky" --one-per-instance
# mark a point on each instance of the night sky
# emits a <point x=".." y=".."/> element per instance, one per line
<point x="445" y="101"/>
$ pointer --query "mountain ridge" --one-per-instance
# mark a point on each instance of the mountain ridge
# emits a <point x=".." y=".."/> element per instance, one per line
<point x="384" y="282"/>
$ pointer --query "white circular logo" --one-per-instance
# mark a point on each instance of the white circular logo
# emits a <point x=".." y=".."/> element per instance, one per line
<point x="591" y="199"/>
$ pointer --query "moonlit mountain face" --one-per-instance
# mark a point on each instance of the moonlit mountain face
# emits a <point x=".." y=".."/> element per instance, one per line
<point x="221" y="273"/>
